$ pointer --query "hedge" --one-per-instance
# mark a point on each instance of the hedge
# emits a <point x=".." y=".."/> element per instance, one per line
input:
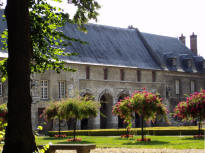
<point x="134" y="131"/>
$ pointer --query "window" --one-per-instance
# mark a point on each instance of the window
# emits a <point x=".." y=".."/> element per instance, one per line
<point x="177" y="86"/>
<point x="122" y="75"/>
<point x="192" y="86"/>
<point x="40" y="117"/>
<point x="34" y="88"/>
<point x="172" y="62"/>
<point x="87" y="72"/>
<point x="189" y="63"/>
<point x="105" y="73"/>
<point x="138" y="75"/>
<point x="0" y="89"/>
<point x="61" y="89"/>
<point x="44" y="89"/>
<point x="153" y="76"/>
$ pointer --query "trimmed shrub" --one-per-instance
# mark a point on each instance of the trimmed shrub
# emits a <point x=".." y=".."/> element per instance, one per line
<point x="134" y="131"/>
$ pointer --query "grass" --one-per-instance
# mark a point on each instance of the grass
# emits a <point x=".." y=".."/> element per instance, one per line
<point x="171" y="142"/>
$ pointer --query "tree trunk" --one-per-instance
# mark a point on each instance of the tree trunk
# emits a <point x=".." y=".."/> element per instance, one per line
<point x="142" y="127"/>
<point x="127" y="132"/>
<point x="199" y="126"/>
<point x="19" y="135"/>
<point x="59" y="127"/>
<point x="74" y="132"/>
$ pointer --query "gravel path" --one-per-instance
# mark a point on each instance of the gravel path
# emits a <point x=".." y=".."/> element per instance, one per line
<point x="125" y="150"/>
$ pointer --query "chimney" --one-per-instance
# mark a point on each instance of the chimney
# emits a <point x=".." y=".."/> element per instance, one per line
<point x="182" y="39"/>
<point x="193" y="43"/>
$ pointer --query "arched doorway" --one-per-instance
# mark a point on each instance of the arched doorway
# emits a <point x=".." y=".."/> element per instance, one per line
<point x="120" y="120"/>
<point x="85" y="122"/>
<point x="106" y="102"/>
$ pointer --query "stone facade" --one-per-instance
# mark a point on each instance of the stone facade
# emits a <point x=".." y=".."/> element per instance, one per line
<point x="112" y="65"/>
<point x="111" y="90"/>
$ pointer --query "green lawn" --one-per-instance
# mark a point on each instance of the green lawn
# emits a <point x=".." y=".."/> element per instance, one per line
<point x="171" y="142"/>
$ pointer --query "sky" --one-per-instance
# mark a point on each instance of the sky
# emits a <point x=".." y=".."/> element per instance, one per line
<point x="162" y="17"/>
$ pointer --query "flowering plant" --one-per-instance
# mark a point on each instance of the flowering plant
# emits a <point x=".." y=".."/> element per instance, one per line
<point x="127" y="136"/>
<point x="60" y="136"/>
<point x="148" y="105"/>
<point x="145" y="104"/>
<point x="74" y="140"/>
<point x="192" y="109"/>
<point x="145" y="139"/>
<point x="199" y="136"/>
<point x="123" y="109"/>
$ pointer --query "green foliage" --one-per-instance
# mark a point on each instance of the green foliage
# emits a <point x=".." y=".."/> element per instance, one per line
<point x="48" y="39"/>
<point x="3" y="112"/>
<point x="145" y="104"/>
<point x="135" y="131"/>
<point x="52" y="111"/>
<point x="192" y="108"/>
<point x="3" y="121"/>
<point x="3" y="126"/>
<point x="78" y="108"/>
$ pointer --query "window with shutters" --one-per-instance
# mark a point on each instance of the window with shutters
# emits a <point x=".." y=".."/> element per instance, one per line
<point x="61" y="89"/>
<point x="105" y="73"/>
<point x="34" y="88"/>
<point x="192" y="86"/>
<point x="177" y="86"/>
<point x="138" y="75"/>
<point x="44" y="89"/>
<point x="122" y="75"/>
<point x="153" y="76"/>
<point x="87" y="72"/>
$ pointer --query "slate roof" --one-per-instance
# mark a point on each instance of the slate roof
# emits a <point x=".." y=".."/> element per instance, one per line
<point x="126" y="47"/>
<point x="168" y="47"/>
<point x="110" y="46"/>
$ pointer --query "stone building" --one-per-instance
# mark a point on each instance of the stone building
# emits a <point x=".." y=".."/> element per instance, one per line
<point x="114" y="63"/>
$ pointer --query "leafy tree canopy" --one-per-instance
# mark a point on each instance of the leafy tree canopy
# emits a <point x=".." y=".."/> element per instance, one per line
<point x="192" y="108"/>
<point x="145" y="104"/>
<point x="48" y="40"/>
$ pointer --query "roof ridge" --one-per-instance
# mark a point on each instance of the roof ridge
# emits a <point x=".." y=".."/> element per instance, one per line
<point x="149" y="49"/>
<point x="108" y="26"/>
<point x="159" y="35"/>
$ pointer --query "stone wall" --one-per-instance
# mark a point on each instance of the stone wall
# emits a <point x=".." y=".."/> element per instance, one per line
<point x="109" y="91"/>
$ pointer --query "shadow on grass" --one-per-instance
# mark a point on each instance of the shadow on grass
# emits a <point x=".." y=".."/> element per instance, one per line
<point x="194" y="139"/>
<point x="82" y="142"/>
<point x="119" y="138"/>
<point x="146" y="143"/>
<point x="53" y="138"/>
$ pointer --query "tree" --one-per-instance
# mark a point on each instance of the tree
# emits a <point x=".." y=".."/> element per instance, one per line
<point x="3" y="112"/>
<point x="78" y="108"/>
<point x="147" y="105"/>
<point x="25" y="56"/>
<point x="192" y="109"/>
<point x="52" y="112"/>
<point x="3" y="121"/>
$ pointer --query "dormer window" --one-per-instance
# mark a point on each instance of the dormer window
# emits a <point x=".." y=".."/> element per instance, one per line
<point x="172" y="62"/>
<point x="189" y="63"/>
<point x="203" y="64"/>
